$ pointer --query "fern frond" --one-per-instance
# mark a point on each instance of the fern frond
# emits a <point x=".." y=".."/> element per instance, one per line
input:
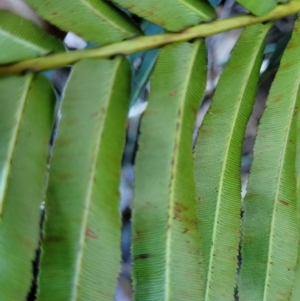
<point x="26" y="119"/>
<point x="270" y="231"/>
<point x="218" y="162"/>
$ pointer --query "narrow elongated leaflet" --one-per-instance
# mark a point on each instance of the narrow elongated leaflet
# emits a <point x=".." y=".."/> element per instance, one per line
<point x="166" y="244"/>
<point x="81" y="247"/>
<point x="258" y="7"/>
<point x="26" y="119"/>
<point x="296" y="287"/>
<point x="173" y="15"/>
<point x="218" y="162"/>
<point x="22" y="39"/>
<point x="270" y="231"/>
<point x="94" y="20"/>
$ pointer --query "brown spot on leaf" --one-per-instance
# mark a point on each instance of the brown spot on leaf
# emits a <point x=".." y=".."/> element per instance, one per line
<point x="179" y="209"/>
<point x="295" y="110"/>
<point x="277" y="98"/>
<point x="64" y="176"/>
<point x="142" y="256"/>
<point x="64" y="142"/>
<point x="90" y="233"/>
<point x="174" y="92"/>
<point x="129" y="6"/>
<point x="286" y="66"/>
<point x="54" y="238"/>
<point x="285" y="203"/>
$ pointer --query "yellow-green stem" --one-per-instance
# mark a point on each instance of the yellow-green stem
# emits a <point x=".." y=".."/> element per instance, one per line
<point x="148" y="42"/>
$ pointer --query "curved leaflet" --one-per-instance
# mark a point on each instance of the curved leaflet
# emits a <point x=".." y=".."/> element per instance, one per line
<point x="270" y="230"/>
<point x="217" y="159"/>
<point x="173" y="15"/>
<point x="258" y="7"/>
<point x="296" y="287"/>
<point x="81" y="246"/>
<point x="166" y="244"/>
<point x="26" y="120"/>
<point x="22" y="39"/>
<point x="94" y="20"/>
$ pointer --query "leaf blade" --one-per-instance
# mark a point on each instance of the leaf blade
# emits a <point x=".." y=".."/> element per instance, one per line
<point x="172" y="15"/>
<point x="22" y="39"/>
<point x="257" y="7"/>
<point x="26" y="116"/>
<point x="296" y="288"/>
<point x="219" y="195"/>
<point x="82" y="230"/>
<point x="167" y="254"/>
<point x="94" y="20"/>
<point x="270" y="221"/>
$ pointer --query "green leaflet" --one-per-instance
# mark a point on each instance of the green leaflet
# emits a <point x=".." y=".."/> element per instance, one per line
<point x="296" y="287"/>
<point x="94" y="20"/>
<point x="258" y="7"/>
<point x="270" y="231"/>
<point x="26" y="119"/>
<point x="81" y="247"/>
<point x="22" y="39"/>
<point x="173" y="15"/>
<point x="166" y="244"/>
<point x="217" y="159"/>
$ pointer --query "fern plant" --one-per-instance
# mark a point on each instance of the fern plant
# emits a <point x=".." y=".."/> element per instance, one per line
<point x="190" y="240"/>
